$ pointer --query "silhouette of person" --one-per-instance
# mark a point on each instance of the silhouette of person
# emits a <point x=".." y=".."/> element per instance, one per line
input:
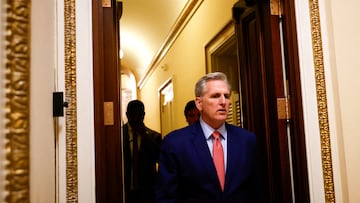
<point x="192" y="114"/>
<point x="210" y="161"/>
<point x="141" y="154"/>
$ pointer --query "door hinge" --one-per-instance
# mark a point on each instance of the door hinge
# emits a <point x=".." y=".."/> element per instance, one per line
<point x="283" y="108"/>
<point x="276" y="7"/>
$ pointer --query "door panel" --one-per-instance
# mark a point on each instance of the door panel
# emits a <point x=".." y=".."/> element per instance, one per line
<point x="253" y="88"/>
<point x="262" y="86"/>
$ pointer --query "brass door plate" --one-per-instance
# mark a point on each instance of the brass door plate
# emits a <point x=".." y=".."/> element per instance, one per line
<point x="106" y="3"/>
<point x="108" y="113"/>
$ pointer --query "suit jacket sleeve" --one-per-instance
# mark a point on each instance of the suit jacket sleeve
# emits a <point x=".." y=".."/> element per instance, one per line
<point x="167" y="177"/>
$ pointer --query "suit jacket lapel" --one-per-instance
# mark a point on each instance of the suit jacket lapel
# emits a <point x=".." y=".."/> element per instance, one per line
<point x="230" y="159"/>
<point x="234" y="158"/>
<point x="205" y="158"/>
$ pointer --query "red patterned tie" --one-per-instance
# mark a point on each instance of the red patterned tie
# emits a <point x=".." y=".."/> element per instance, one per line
<point x="218" y="156"/>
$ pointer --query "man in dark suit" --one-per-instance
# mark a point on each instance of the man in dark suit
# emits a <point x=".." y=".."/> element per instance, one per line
<point x="141" y="154"/>
<point x="199" y="166"/>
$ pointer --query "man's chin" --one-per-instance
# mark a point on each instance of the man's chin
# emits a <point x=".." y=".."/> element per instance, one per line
<point x="222" y="118"/>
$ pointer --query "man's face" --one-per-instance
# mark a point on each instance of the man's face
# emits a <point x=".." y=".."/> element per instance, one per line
<point x="135" y="117"/>
<point x="214" y="104"/>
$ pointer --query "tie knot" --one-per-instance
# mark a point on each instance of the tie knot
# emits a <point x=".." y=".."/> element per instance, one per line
<point x="216" y="135"/>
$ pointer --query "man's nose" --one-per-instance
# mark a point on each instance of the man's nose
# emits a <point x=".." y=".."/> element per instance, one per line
<point x="222" y="99"/>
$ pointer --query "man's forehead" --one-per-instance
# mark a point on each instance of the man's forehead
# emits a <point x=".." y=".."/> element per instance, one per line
<point x="218" y="87"/>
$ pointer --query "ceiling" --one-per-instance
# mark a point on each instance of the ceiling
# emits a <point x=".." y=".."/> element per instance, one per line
<point x="144" y="27"/>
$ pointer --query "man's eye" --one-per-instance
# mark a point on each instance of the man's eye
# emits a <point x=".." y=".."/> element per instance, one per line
<point x="226" y="96"/>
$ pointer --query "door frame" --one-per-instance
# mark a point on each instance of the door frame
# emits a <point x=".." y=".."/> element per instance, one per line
<point x="108" y="160"/>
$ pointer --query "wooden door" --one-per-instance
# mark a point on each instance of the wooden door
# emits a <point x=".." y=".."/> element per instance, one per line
<point x="108" y="167"/>
<point x="166" y="107"/>
<point x="264" y="77"/>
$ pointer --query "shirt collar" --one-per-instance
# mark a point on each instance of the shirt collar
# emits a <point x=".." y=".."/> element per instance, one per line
<point x="208" y="131"/>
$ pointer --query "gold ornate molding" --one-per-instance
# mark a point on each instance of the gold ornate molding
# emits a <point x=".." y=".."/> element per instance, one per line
<point x="17" y="87"/>
<point x="322" y="102"/>
<point x="70" y="96"/>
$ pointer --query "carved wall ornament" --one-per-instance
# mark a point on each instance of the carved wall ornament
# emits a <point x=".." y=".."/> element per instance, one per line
<point x="17" y="105"/>
<point x="70" y="96"/>
<point x="322" y="101"/>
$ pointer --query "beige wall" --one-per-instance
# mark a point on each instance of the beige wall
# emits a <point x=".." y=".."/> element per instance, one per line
<point x="43" y="63"/>
<point x="343" y="32"/>
<point x="47" y="76"/>
<point x="185" y="61"/>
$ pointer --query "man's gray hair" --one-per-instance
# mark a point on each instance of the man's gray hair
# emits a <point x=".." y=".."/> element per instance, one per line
<point x="200" y="86"/>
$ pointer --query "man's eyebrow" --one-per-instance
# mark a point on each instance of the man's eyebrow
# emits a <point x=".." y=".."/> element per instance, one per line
<point x="217" y="94"/>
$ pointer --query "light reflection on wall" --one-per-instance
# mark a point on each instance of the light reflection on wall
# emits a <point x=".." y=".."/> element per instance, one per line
<point x="133" y="45"/>
<point x="128" y="92"/>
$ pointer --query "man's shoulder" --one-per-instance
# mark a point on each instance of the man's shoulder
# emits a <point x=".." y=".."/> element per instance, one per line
<point x="152" y="132"/>
<point x="239" y="130"/>
<point x="181" y="134"/>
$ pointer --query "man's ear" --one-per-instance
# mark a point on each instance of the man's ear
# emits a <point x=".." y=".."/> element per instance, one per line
<point x="198" y="103"/>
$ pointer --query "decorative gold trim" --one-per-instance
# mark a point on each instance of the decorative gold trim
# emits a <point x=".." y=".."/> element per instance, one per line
<point x="17" y="44"/>
<point x="70" y="97"/>
<point x="322" y="102"/>
<point x="184" y="17"/>
<point x="17" y="100"/>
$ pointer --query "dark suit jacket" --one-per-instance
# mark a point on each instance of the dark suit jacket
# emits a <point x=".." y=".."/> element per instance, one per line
<point x="148" y="157"/>
<point x="187" y="173"/>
